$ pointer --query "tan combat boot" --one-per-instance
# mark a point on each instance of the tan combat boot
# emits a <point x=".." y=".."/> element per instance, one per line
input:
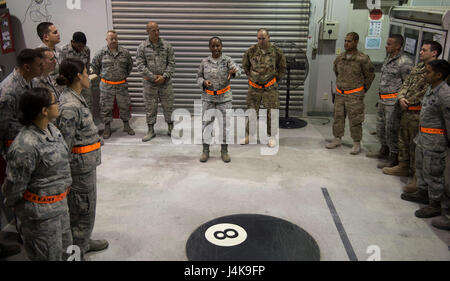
<point x="272" y="142"/>
<point x="335" y="143"/>
<point x="127" y="128"/>
<point x="412" y="186"/>
<point x="245" y="140"/>
<point x="224" y="152"/>
<point x="107" y="131"/>
<point x="356" y="149"/>
<point x="401" y="170"/>
<point x="205" y="154"/>
<point x="150" y="134"/>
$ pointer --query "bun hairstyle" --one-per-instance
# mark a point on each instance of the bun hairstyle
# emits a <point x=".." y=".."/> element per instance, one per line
<point x="31" y="103"/>
<point x="68" y="71"/>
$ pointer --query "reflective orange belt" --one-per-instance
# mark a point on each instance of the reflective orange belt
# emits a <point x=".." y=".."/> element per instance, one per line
<point x="9" y="142"/>
<point x="45" y="199"/>
<point x="388" y="96"/>
<point x="86" y="148"/>
<point x="350" y="91"/>
<point x="219" y="92"/>
<point x="432" y="131"/>
<point x="257" y="86"/>
<point x="113" y="82"/>
<point x="415" y="108"/>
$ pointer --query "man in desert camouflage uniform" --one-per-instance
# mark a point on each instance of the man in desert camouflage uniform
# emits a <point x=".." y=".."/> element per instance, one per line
<point x="49" y="64"/>
<point x="354" y="76"/>
<point x="265" y="66"/>
<point x="433" y="141"/>
<point x="113" y="64"/>
<point x="155" y="60"/>
<point x="29" y="65"/>
<point x="410" y="97"/>
<point x="77" y="49"/>
<point x="395" y="71"/>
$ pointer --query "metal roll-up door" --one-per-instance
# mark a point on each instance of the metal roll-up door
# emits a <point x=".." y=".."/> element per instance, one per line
<point x="188" y="25"/>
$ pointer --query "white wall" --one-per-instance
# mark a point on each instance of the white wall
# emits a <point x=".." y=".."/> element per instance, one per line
<point x="90" y="19"/>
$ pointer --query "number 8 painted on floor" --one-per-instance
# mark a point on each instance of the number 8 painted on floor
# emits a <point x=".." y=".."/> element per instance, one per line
<point x="225" y="235"/>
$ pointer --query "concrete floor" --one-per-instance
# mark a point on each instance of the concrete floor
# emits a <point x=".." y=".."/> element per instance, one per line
<point x="152" y="196"/>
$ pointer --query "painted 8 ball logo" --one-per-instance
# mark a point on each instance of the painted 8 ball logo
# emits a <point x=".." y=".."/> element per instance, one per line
<point x="226" y="234"/>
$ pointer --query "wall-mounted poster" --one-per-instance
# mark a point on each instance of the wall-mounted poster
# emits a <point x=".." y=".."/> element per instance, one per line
<point x="6" y="39"/>
<point x="373" y="43"/>
<point x="410" y="45"/>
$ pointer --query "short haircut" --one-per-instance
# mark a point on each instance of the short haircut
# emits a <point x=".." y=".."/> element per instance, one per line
<point x="263" y="29"/>
<point x="398" y="38"/>
<point x="79" y="37"/>
<point x="27" y="56"/>
<point x="111" y="31"/>
<point x="354" y="36"/>
<point x="434" y="46"/>
<point x="215" y="37"/>
<point x="31" y="103"/>
<point x="43" y="28"/>
<point x="68" y="71"/>
<point x="440" y="66"/>
<point x="42" y="51"/>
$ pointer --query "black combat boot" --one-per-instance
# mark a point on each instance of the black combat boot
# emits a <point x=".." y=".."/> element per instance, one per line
<point x="420" y="196"/>
<point x="169" y="131"/>
<point x="205" y="154"/>
<point x="430" y="211"/>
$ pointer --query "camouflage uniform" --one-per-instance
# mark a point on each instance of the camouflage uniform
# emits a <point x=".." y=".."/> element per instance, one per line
<point x="413" y="90"/>
<point x="11" y="89"/>
<point x="47" y="82"/>
<point x="78" y="129"/>
<point x="431" y="149"/>
<point x="38" y="162"/>
<point x="351" y="73"/>
<point x="67" y="51"/>
<point x="216" y="71"/>
<point x="393" y="73"/>
<point x="261" y="66"/>
<point x="152" y="60"/>
<point x="113" y="67"/>
<point x="57" y="52"/>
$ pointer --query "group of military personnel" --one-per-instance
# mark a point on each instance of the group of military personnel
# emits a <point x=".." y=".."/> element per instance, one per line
<point x="413" y="118"/>
<point x="414" y="101"/>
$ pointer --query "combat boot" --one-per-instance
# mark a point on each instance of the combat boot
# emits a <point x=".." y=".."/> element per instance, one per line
<point x="356" y="149"/>
<point x="205" y="154"/>
<point x="441" y="222"/>
<point x="401" y="170"/>
<point x="169" y="131"/>
<point x="107" y="131"/>
<point x="150" y="134"/>
<point x="412" y="186"/>
<point x="420" y="196"/>
<point x="335" y="143"/>
<point x="97" y="245"/>
<point x="392" y="161"/>
<point x="245" y="140"/>
<point x="430" y="211"/>
<point x="272" y="142"/>
<point x="8" y="250"/>
<point x="127" y="128"/>
<point x="224" y="152"/>
<point x="383" y="153"/>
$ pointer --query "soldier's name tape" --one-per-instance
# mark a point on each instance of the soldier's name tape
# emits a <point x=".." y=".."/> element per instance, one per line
<point x="388" y="96"/>
<point x="86" y="149"/>
<point x="45" y="199"/>
<point x="432" y="131"/>
<point x="346" y="92"/>
<point x="113" y="82"/>
<point x="257" y="86"/>
<point x="219" y="92"/>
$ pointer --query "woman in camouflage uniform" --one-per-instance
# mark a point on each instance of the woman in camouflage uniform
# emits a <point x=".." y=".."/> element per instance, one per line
<point x="38" y="179"/>
<point x="213" y="77"/>
<point x="78" y="129"/>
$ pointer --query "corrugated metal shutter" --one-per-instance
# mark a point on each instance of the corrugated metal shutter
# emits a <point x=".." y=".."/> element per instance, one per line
<point x="188" y="25"/>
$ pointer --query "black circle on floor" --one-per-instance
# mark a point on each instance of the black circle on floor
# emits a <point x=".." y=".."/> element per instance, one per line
<point x="251" y="237"/>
